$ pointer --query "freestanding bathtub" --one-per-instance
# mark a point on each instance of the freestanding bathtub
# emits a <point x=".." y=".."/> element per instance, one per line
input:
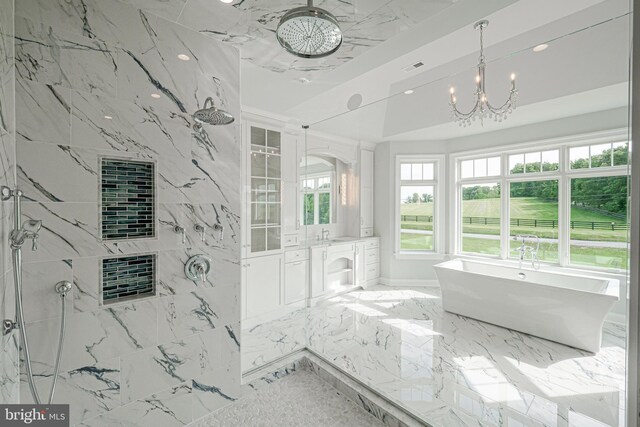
<point x="569" y="309"/>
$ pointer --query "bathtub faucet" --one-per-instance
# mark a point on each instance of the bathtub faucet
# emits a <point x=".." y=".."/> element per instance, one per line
<point x="525" y="249"/>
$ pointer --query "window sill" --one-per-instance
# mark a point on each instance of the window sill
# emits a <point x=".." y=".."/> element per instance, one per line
<point x="420" y="255"/>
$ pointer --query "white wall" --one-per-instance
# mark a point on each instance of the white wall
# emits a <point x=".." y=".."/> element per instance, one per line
<point x="402" y="271"/>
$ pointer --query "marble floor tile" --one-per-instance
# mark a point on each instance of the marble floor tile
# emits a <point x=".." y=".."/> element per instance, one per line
<point x="451" y="370"/>
<point x="270" y="341"/>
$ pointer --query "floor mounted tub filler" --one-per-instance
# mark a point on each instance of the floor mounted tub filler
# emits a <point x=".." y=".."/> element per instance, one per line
<point x="566" y="308"/>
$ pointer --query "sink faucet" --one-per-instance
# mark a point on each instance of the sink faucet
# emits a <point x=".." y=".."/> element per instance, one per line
<point x="524" y="249"/>
<point x="325" y="234"/>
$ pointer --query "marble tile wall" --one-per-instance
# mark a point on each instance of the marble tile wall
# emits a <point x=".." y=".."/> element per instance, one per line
<point x="9" y="377"/>
<point x="85" y="71"/>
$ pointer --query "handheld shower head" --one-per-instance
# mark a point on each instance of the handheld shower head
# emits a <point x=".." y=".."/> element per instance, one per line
<point x="32" y="225"/>
<point x="212" y="115"/>
<point x="29" y="230"/>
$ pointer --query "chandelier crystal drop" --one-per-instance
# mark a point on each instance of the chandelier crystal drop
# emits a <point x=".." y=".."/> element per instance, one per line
<point x="483" y="110"/>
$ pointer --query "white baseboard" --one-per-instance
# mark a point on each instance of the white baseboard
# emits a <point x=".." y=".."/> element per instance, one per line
<point x="410" y="282"/>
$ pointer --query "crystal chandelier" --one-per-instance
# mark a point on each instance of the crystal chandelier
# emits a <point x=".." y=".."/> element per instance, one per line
<point x="483" y="109"/>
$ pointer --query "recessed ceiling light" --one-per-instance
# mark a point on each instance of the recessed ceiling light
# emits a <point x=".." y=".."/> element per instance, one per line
<point x="408" y="92"/>
<point x="226" y="1"/>
<point x="540" y="47"/>
<point x="108" y="117"/>
<point x="155" y="95"/>
<point x="183" y="57"/>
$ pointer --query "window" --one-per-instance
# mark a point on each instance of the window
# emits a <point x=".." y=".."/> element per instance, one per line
<point x="479" y="199"/>
<point x="598" y="223"/>
<point x="599" y="155"/>
<point x="316" y="200"/>
<point x="538" y="161"/>
<point x="573" y="198"/>
<point x="481" y="218"/>
<point x="416" y="209"/>
<point x="479" y="168"/>
<point x="533" y="211"/>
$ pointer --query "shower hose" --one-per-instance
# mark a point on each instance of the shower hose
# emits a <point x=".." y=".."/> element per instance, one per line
<point x="17" y="274"/>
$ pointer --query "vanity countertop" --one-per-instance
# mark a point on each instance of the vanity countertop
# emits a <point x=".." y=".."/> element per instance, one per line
<point x="331" y="242"/>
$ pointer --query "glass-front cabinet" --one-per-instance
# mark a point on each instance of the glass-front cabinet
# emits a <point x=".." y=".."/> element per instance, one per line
<point x="266" y="185"/>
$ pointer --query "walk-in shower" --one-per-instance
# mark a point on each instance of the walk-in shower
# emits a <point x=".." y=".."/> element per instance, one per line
<point x="29" y="230"/>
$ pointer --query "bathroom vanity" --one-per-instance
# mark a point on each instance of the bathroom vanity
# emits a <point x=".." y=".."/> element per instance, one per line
<point x="303" y="192"/>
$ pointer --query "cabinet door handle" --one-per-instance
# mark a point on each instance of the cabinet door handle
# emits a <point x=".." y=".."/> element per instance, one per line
<point x="297" y="263"/>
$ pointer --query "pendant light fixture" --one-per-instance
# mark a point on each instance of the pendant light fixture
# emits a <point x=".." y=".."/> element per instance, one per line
<point x="309" y="32"/>
<point x="483" y="109"/>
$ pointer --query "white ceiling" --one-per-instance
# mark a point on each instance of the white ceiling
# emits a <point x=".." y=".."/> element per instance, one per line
<point x="251" y="24"/>
<point x="585" y="69"/>
<point x="581" y="73"/>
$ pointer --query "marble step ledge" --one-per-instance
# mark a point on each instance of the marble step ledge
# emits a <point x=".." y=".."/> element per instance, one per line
<point x="382" y="409"/>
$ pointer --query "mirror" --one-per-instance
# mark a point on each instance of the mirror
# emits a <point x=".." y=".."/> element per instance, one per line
<point x="318" y="190"/>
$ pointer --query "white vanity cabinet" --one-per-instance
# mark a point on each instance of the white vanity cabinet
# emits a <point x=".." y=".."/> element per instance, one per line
<point x="333" y="268"/>
<point x="318" y="272"/>
<point x="290" y="189"/>
<point x="263" y="279"/>
<point x="372" y="261"/>
<point x="296" y="275"/>
<point x="366" y="193"/>
<point x="360" y="263"/>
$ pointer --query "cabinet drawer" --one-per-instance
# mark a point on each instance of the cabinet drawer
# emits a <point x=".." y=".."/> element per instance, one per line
<point x="372" y="272"/>
<point x="290" y="240"/>
<point x="372" y="243"/>
<point x="296" y="280"/>
<point x="372" y="256"/>
<point x="366" y="232"/>
<point x="292" y="256"/>
<point x="341" y="248"/>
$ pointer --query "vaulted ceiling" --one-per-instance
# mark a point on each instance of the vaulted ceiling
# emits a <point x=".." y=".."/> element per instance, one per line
<point x="382" y="38"/>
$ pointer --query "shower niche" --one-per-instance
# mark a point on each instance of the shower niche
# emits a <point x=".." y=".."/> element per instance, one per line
<point x="127" y="213"/>
<point x="127" y="191"/>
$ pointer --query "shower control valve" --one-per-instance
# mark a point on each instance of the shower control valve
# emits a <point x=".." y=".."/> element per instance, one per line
<point x="197" y="268"/>
<point x="219" y="228"/>
<point x="202" y="230"/>
<point x="180" y="230"/>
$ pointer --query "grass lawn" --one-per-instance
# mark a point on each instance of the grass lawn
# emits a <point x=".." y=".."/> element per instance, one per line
<point x="601" y="257"/>
<point x="523" y="207"/>
<point x="413" y="242"/>
<point x="528" y="208"/>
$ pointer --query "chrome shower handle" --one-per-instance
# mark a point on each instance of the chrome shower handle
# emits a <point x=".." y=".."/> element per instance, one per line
<point x="180" y="230"/>
<point x="219" y="228"/>
<point x="202" y="230"/>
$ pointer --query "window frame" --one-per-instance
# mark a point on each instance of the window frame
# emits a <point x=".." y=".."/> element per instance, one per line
<point x="438" y="183"/>
<point x="564" y="175"/>
<point x="316" y="196"/>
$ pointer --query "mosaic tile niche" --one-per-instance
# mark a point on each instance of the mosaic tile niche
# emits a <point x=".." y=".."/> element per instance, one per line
<point x="128" y="277"/>
<point x="128" y="199"/>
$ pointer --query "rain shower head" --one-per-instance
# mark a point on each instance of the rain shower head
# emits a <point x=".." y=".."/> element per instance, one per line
<point x="212" y="115"/>
<point x="309" y="32"/>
